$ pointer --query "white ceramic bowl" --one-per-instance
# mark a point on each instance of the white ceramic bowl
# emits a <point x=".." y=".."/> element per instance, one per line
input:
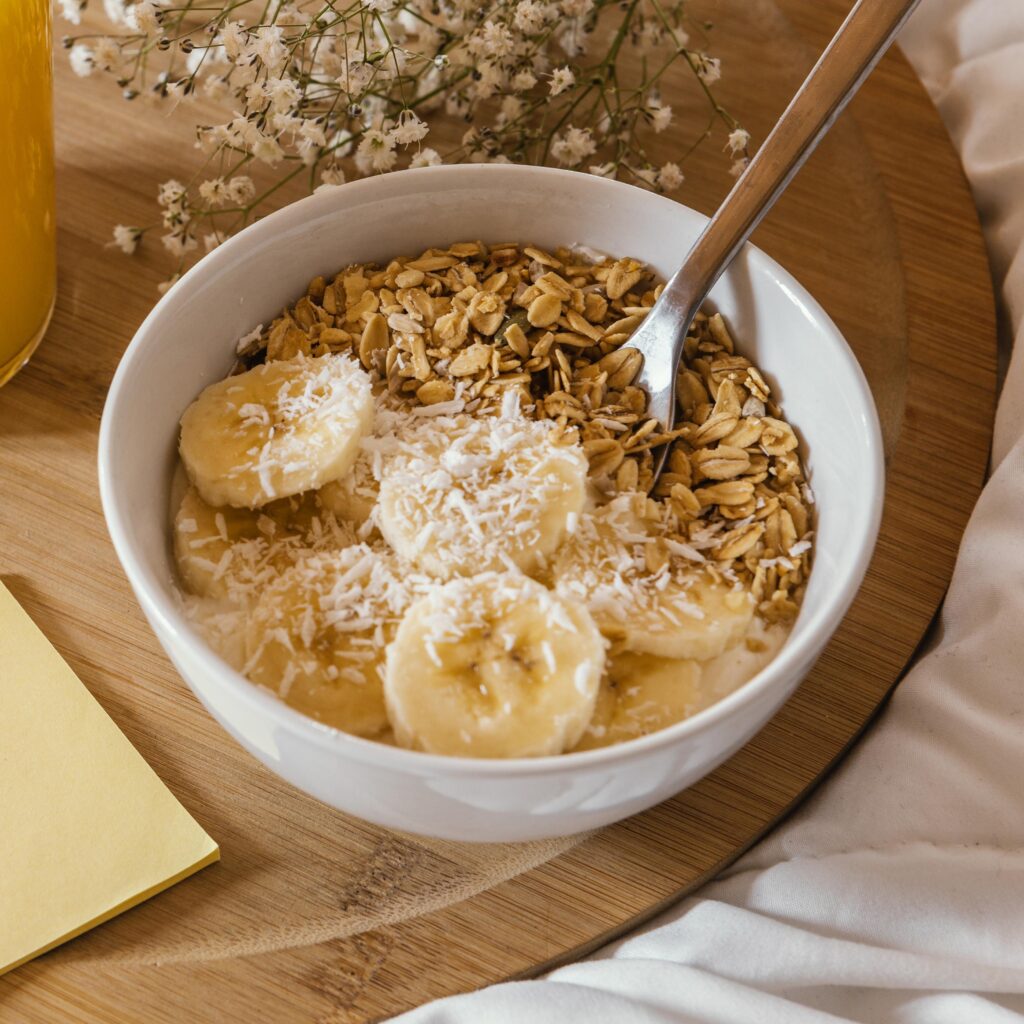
<point x="188" y="342"/>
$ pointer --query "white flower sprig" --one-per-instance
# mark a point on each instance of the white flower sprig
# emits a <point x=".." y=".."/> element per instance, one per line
<point x="333" y="88"/>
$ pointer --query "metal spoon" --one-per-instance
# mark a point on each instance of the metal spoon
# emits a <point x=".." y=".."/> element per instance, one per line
<point x="855" y="49"/>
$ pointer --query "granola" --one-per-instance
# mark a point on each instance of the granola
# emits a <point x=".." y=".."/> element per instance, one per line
<point x="475" y="322"/>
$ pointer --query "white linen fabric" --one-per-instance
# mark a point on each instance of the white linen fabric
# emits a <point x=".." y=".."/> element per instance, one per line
<point x="896" y="894"/>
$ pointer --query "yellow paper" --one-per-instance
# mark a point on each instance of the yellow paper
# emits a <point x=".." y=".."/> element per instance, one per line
<point x="86" y="827"/>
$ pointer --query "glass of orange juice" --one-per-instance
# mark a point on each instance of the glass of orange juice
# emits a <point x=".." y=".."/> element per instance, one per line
<point x="28" y="257"/>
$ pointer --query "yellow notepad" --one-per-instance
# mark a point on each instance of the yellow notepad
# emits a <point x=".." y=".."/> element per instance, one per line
<point x="86" y="827"/>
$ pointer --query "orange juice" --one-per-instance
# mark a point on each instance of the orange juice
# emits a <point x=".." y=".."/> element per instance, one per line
<point x="28" y="265"/>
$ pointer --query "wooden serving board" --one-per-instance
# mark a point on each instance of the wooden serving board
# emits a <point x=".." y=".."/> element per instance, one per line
<point x="315" y="917"/>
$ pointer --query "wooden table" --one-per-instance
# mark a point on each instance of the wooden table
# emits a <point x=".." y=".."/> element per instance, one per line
<point x="315" y="917"/>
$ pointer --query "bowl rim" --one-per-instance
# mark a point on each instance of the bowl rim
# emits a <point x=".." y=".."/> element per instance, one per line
<point x="166" y="616"/>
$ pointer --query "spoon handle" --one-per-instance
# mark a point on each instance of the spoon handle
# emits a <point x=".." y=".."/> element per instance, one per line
<point x="854" y="51"/>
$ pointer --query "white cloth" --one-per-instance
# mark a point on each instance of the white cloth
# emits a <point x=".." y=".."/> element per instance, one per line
<point x="895" y="895"/>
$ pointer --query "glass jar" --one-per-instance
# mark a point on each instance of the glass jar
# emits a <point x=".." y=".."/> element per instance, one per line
<point x="28" y="257"/>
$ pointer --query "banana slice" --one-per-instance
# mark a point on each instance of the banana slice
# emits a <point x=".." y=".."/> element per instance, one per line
<point x="317" y="636"/>
<point x="277" y="430"/>
<point x="463" y="495"/>
<point x="684" y="609"/>
<point x="229" y="552"/>
<point x="352" y="497"/>
<point x="739" y="664"/>
<point x="640" y="694"/>
<point x="493" y="666"/>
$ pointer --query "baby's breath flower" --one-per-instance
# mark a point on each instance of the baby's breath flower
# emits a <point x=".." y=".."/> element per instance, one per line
<point x="282" y="93"/>
<point x="573" y="38"/>
<point x="492" y="39"/>
<point x="268" y="47"/>
<point x="106" y="54"/>
<point x="307" y="151"/>
<point x="171" y="192"/>
<point x="512" y="108"/>
<point x="214" y="192"/>
<point x="81" y="59"/>
<point x="376" y="152"/>
<point x="670" y="177"/>
<point x="738" y="167"/>
<point x="334" y="90"/>
<point x="332" y="176"/>
<point x="165" y="286"/>
<point x="211" y="240"/>
<point x="143" y="16"/>
<point x="355" y="76"/>
<point x="491" y="79"/>
<point x="561" y="79"/>
<point x="426" y="158"/>
<point x="709" y="69"/>
<point x="234" y="37"/>
<point x="573" y="147"/>
<point x="523" y="81"/>
<point x="498" y="40"/>
<point x="126" y="238"/>
<point x="661" y="115"/>
<point x="739" y="139"/>
<point x="529" y="17"/>
<point x="241" y="189"/>
<point x="265" y="148"/>
<point x="116" y="11"/>
<point x="456" y="104"/>
<point x="71" y="10"/>
<point x="311" y="131"/>
<point x="178" y="243"/>
<point x="256" y="94"/>
<point x="409" y="129"/>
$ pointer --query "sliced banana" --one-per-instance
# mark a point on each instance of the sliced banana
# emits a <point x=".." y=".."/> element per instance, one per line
<point x="230" y="552"/>
<point x="463" y="495"/>
<point x="352" y="498"/>
<point x="739" y="664"/>
<point x="493" y="665"/>
<point x="685" y="609"/>
<point x="276" y="430"/>
<point x="318" y="633"/>
<point x="641" y="694"/>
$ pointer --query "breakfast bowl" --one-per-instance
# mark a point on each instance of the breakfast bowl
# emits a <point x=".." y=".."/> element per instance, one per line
<point x="189" y="341"/>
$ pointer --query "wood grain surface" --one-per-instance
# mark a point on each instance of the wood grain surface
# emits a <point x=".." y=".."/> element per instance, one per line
<point x="315" y="917"/>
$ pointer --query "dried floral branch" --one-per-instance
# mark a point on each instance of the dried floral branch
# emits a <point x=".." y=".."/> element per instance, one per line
<point x="328" y="89"/>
